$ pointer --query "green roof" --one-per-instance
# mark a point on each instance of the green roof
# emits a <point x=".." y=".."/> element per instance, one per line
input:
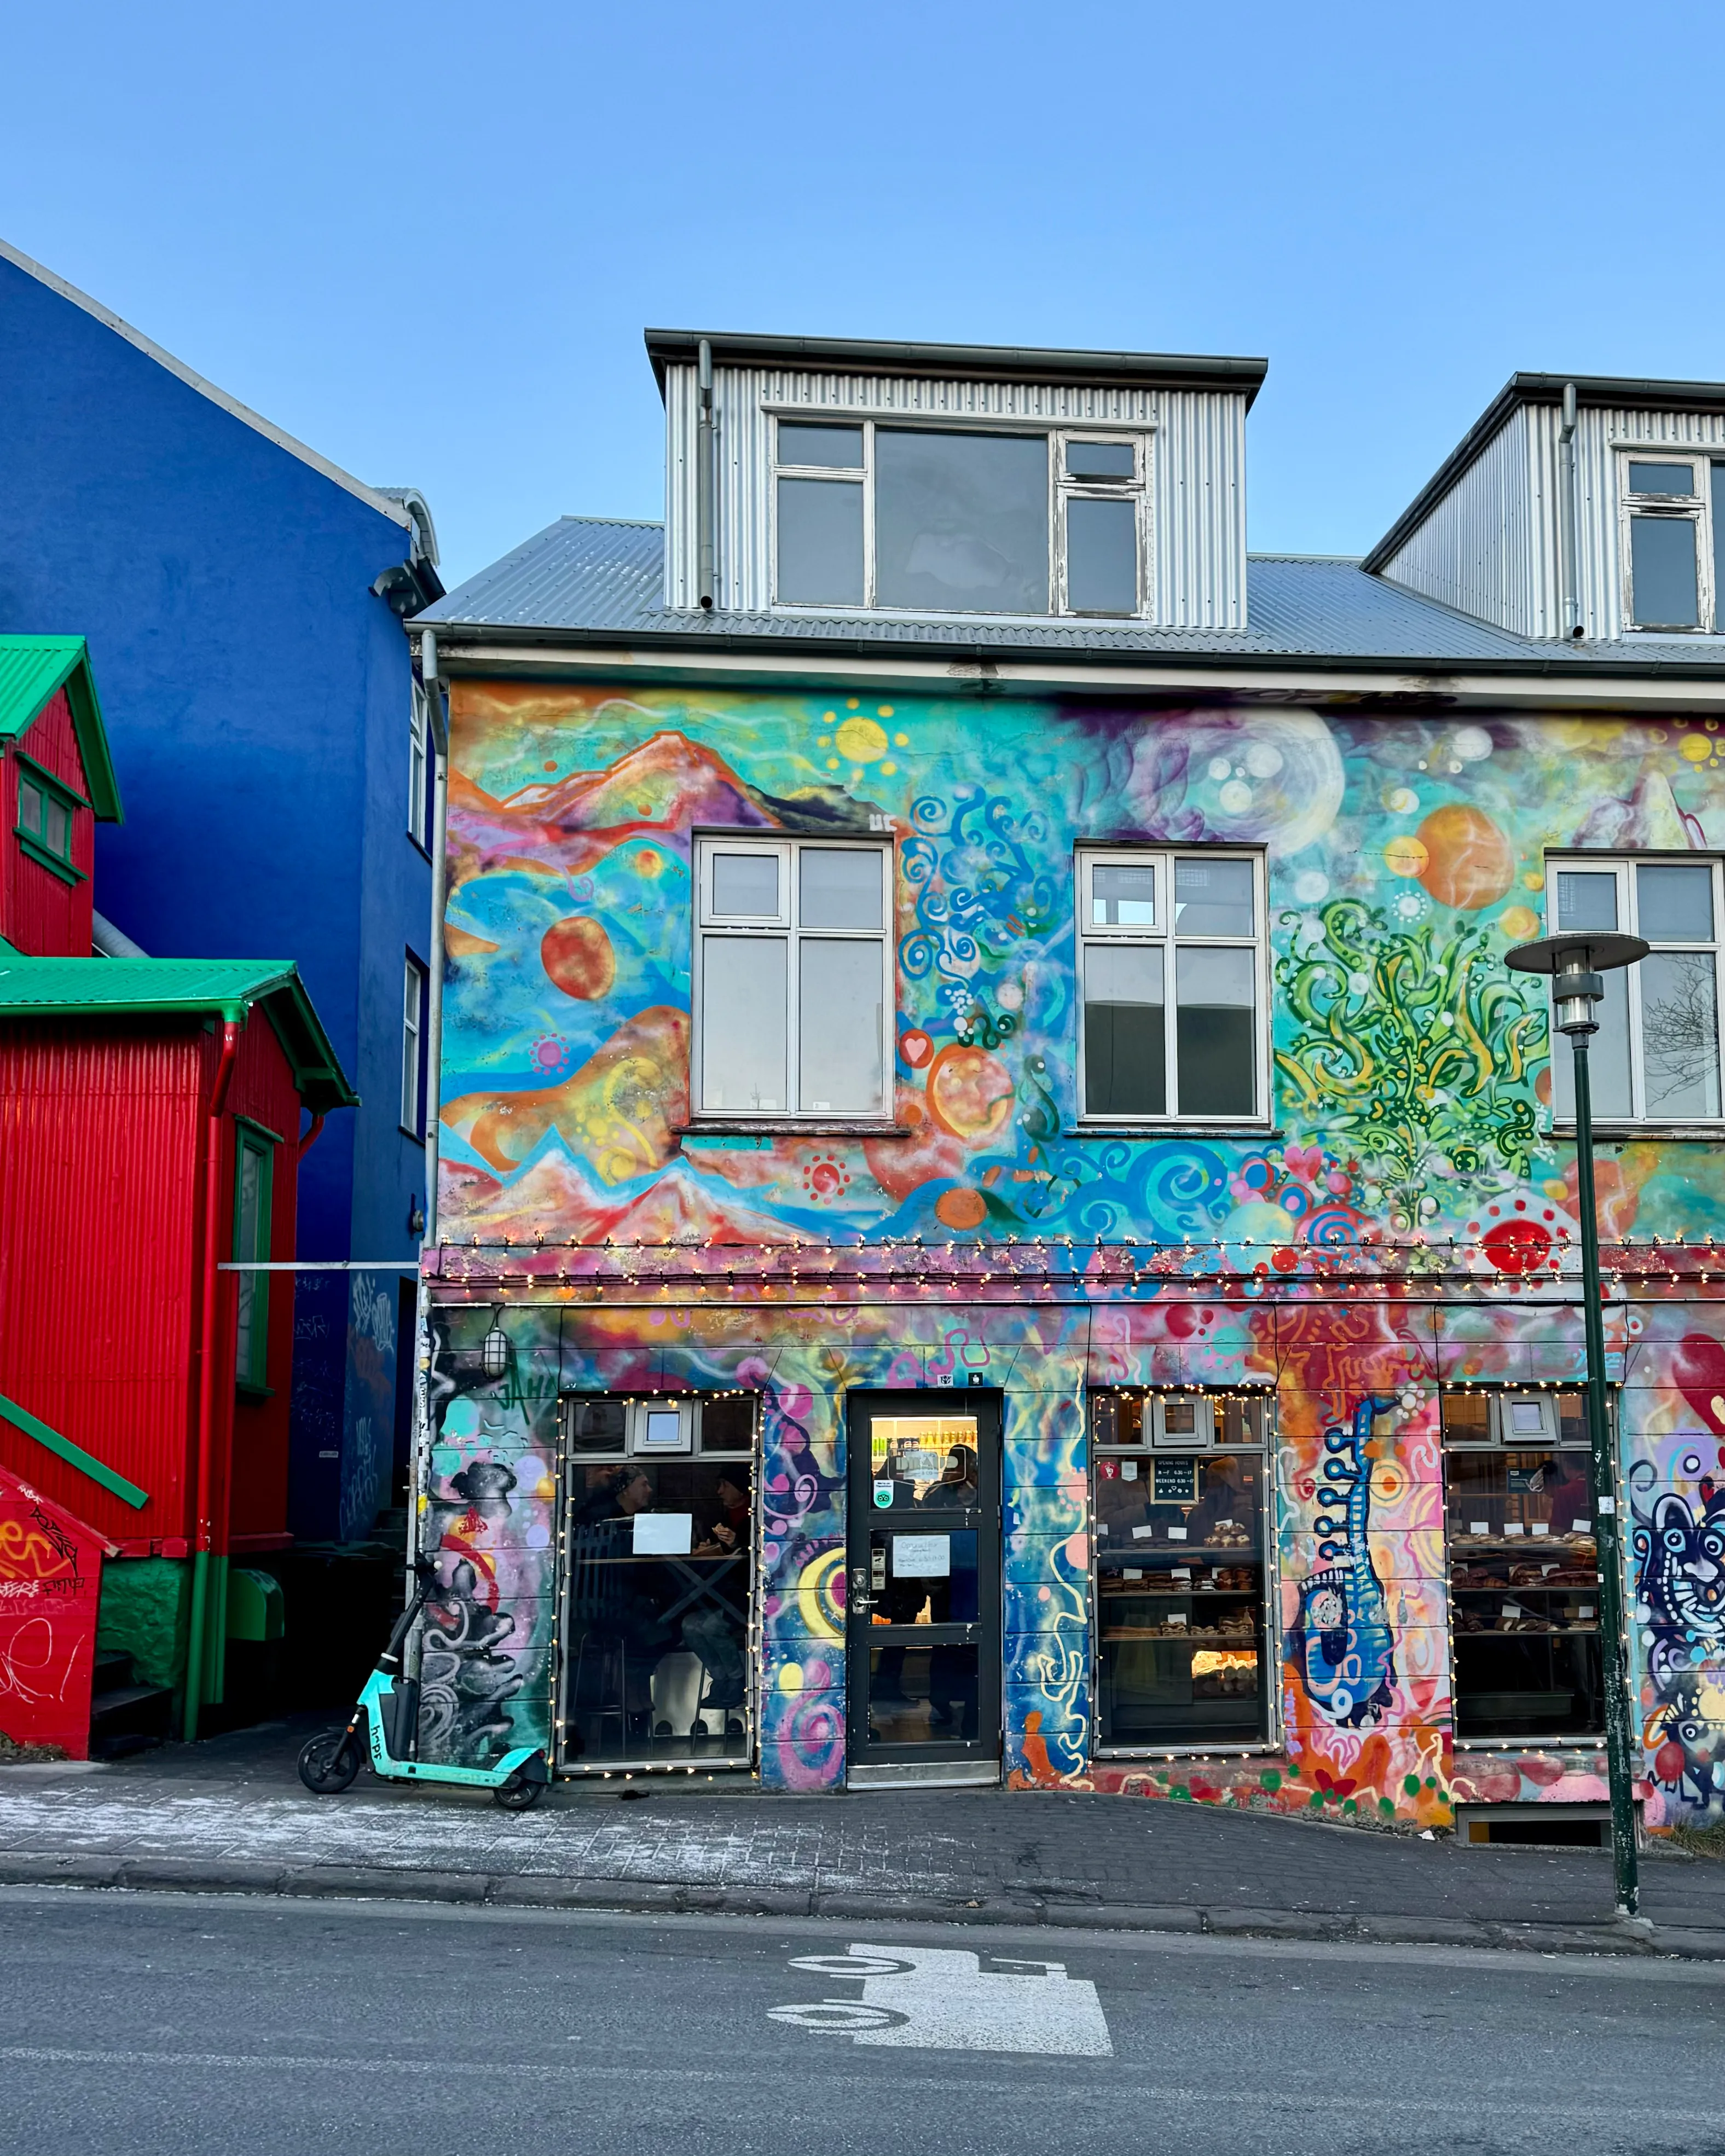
<point x="214" y="987"/>
<point x="31" y="670"/>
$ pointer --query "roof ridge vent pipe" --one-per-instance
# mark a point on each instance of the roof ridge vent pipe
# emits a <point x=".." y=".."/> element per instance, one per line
<point x="1568" y="550"/>
<point x="703" y="477"/>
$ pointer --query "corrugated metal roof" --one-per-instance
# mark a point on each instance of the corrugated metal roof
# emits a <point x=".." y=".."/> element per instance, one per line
<point x="972" y="362"/>
<point x="223" y="987"/>
<point x="31" y="670"/>
<point x="598" y="576"/>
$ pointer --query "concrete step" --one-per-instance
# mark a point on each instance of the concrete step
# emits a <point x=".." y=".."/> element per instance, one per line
<point x="129" y="1718"/>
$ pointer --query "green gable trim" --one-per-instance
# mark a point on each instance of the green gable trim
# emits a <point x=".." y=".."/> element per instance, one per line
<point x="226" y="989"/>
<point x="33" y="670"/>
<point x="74" y="1456"/>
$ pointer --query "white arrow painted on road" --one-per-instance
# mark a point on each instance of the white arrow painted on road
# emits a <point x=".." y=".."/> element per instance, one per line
<point x="941" y="1999"/>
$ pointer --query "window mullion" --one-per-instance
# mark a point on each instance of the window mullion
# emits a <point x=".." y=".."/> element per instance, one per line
<point x="792" y="932"/>
<point x="868" y="512"/>
<point x="1171" y="987"/>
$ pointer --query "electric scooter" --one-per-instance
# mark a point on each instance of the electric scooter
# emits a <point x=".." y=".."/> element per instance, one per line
<point x="386" y="1718"/>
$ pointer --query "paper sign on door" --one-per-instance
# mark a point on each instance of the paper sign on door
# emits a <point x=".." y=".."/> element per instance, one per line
<point x="921" y="1557"/>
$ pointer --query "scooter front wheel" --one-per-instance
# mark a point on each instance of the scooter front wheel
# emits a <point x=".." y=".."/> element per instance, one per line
<point x="517" y="1793"/>
<point x="330" y="1762"/>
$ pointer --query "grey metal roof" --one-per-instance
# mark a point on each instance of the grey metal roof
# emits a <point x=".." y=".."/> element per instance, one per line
<point x="966" y="362"/>
<point x="598" y="578"/>
<point x="1613" y="391"/>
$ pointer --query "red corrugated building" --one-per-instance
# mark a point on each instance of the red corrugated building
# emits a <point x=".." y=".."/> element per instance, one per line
<point x="151" y="1127"/>
<point x="55" y="783"/>
<point x="152" y="1114"/>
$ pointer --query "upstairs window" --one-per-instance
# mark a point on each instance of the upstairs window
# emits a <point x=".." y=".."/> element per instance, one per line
<point x="1656" y="1056"/>
<point x="793" y="979"/>
<point x="418" y="774"/>
<point x="254" y="1178"/>
<point x="1674" y="540"/>
<point x="925" y="519"/>
<point x="412" y="1048"/>
<point x="1170" y="933"/>
<point x="44" y="816"/>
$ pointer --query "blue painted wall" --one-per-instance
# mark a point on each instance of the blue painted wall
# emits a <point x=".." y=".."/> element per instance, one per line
<point x="258" y="700"/>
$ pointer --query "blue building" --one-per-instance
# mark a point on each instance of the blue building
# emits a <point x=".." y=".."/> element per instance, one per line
<point x="242" y="600"/>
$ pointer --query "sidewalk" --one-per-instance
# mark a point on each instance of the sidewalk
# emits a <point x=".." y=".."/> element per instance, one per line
<point x="229" y="1815"/>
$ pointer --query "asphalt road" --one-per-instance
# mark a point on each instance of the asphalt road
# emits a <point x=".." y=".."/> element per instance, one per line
<point x="184" y="2022"/>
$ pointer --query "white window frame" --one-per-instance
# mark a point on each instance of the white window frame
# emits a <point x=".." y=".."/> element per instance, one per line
<point x="419" y="772"/>
<point x="1622" y="865"/>
<point x="786" y="926"/>
<point x="1695" y="508"/>
<point x="1140" y="434"/>
<point x="1165" y="936"/>
<point x="412" y="1058"/>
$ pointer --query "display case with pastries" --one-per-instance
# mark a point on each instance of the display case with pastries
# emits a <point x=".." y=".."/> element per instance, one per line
<point x="1183" y="1629"/>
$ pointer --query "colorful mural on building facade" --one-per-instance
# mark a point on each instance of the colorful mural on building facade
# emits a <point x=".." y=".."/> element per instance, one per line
<point x="1406" y="1222"/>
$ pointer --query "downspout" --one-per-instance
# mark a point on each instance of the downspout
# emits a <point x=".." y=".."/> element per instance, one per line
<point x="1568" y="548"/>
<point x="704" y="478"/>
<point x="196" y="1646"/>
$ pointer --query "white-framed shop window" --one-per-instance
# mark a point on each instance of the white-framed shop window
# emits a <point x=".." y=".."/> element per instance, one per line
<point x="1178" y="933"/>
<point x="1655" y="1058"/>
<point x="1671" y="526"/>
<point x="794" y="978"/>
<point x="960" y="519"/>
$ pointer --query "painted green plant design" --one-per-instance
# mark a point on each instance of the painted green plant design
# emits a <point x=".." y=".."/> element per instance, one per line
<point x="1414" y="1045"/>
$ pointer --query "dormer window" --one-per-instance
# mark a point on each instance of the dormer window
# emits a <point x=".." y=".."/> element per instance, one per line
<point x="946" y="520"/>
<point x="1674" y="540"/>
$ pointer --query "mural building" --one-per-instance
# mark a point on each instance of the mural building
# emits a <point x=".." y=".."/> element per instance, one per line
<point x="1001" y="1214"/>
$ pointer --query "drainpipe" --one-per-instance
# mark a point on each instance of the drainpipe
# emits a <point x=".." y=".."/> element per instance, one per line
<point x="196" y="1646"/>
<point x="433" y="1076"/>
<point x="1568" y="548"/>
<point x="704" y="478"/>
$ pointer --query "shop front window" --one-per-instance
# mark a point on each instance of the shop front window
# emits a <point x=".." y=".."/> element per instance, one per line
<point x="1524" y="1577"/>
<point x="658" y="1581"/>
<point x="1182" y="1511"/>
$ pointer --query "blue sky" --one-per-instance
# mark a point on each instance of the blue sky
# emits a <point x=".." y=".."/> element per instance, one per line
<point x="427" y="239"/>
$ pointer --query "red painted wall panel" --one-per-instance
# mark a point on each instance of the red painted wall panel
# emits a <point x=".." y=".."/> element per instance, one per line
<point x="40" y="913"/>
<point x="50" y="1585"/>
<point x="102" y="1135"/>
<point x="99" y="1183"/>
<point x="263" y="1091"/>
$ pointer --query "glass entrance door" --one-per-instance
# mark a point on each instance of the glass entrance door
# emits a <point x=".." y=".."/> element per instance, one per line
<point x="924" y="1586"/>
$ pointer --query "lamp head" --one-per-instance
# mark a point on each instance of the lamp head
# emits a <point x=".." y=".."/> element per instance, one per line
<point x="1576" y="966"/>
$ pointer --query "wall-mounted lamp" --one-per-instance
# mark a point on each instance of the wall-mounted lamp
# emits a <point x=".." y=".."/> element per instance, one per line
<point x="495" y="1349"/>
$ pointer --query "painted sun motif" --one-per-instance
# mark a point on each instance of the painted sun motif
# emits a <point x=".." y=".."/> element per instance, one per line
<point x="825" y="1178"/>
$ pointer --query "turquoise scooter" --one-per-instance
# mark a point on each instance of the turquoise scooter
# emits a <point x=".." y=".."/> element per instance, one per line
<point x="388" y="1707"/>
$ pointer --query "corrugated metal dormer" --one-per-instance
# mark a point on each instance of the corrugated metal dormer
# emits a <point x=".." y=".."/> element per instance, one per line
<point x="1550" y="531"/>
<point x="1126" y="469"/>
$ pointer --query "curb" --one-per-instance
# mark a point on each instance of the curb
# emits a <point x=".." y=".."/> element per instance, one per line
<point x="538" y="1890"/>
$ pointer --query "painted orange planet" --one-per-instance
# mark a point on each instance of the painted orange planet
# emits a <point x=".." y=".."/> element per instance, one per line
<point x="962" y="1209"/>
<point x="1469" y="862"/>
<point x="577" y="957"/>
<point x="969" y="1092"/>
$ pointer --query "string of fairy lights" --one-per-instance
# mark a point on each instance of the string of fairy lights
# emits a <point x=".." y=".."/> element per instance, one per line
<point x="712" y="1270"/>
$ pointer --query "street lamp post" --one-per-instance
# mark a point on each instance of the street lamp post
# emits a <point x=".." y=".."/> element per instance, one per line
<point x="1577" y="965"/>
